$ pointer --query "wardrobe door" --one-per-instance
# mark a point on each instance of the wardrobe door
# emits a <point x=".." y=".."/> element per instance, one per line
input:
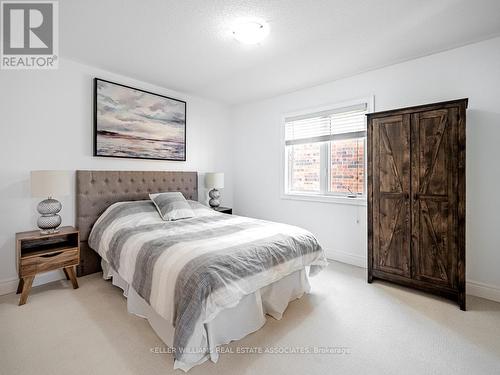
<point x="434" y="196"/>
<point x="391" y="187"/>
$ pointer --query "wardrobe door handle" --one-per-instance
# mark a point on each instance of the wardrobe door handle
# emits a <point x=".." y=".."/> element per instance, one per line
<point x="407" y="196"/>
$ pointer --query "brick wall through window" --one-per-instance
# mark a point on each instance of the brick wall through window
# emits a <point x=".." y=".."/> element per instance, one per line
<point x="347" y="166"/>
<point x="304" y="162"/>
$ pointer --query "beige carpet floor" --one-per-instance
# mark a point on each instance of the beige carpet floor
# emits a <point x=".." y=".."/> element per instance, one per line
<point x="383" y="329"/>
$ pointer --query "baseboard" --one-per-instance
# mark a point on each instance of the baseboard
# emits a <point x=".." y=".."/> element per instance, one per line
<point x="345" y="257"/>
<point x="474" y="288"/>
<point x="10" y="285"/>
<point x="483" y="290"/>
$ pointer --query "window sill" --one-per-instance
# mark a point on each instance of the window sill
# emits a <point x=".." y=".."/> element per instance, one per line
<point x="326" y="199"/>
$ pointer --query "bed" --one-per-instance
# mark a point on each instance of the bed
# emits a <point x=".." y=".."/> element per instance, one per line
<point x="201" y="282"/>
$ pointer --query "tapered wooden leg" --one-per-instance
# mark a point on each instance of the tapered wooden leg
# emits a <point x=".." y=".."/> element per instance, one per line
<point x="20" y="286"/>
<point x="66" y="273"/>
<point x="72" y="276"/>
<point x="27" y="282"/>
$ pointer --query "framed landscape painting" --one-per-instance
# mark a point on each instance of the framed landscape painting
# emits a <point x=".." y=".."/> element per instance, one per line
<point x="133" y="123"/>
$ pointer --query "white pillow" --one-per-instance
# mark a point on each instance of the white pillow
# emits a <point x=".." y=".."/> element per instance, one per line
<point x="172" y="205"/>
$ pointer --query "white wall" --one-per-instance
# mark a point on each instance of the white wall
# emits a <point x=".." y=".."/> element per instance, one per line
<point x="46" y="123"/>
<point x="472" y="71"/>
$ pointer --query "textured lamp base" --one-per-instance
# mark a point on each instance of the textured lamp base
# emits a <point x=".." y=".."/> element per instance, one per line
<point x="49" y="219"/>
<point x="214" y="198"/>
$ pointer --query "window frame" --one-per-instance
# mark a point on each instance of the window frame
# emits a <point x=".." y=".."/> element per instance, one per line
<point x="324" y="195"/>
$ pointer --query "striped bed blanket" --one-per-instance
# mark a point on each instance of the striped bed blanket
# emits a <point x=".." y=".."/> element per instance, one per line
<point x="189" y="270"/>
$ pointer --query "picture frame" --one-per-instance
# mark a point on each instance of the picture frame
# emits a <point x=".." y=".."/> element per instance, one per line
<point x="137" y="124"/>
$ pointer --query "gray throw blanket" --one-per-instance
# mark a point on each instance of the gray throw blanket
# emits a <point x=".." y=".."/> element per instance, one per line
<point x="189" y="270"/>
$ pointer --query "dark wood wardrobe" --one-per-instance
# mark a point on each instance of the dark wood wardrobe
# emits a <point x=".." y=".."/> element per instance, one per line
<point x="416" y="198"/>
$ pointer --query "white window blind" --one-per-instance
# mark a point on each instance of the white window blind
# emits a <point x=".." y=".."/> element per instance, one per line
<point x="326" y="125"/>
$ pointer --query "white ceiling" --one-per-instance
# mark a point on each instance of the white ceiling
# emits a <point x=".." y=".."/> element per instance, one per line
<point x="186" y="45"/>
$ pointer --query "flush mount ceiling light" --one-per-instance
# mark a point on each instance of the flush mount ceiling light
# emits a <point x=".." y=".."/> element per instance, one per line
<point x="250" y="31"/>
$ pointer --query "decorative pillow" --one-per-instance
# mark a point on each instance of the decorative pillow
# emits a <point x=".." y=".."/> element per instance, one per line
<point x="172" y="205"/>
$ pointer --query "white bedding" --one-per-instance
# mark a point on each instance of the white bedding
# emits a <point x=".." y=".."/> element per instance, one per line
<point x="231" y="324"/>
<point x="190" y="271"/>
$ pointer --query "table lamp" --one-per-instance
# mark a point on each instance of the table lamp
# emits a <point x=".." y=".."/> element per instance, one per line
<point x="49" y="184"/>
<point x="214" y="181"/>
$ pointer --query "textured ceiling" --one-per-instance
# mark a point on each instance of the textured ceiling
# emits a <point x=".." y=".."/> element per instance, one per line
<point x="187" y="45"/>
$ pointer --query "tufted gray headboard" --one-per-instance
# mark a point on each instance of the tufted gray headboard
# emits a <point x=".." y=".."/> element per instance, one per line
<point x="97" y="190"/>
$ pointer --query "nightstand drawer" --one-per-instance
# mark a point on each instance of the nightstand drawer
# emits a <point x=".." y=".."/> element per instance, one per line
<point x="32" y="264"/>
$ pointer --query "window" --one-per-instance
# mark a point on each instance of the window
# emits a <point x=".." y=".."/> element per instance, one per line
<point x="325" y="152"/>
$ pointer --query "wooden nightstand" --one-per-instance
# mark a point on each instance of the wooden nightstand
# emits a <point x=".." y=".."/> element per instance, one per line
<point x="38" y="253"/>
<point x="224" y="210"/>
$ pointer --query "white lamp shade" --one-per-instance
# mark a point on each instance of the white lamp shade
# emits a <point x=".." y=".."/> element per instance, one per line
<point x="214" y="180"/>
<point x="49" y="184"/>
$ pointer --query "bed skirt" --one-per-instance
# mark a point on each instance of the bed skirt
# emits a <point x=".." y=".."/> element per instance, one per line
<point x="231" y="324"/>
